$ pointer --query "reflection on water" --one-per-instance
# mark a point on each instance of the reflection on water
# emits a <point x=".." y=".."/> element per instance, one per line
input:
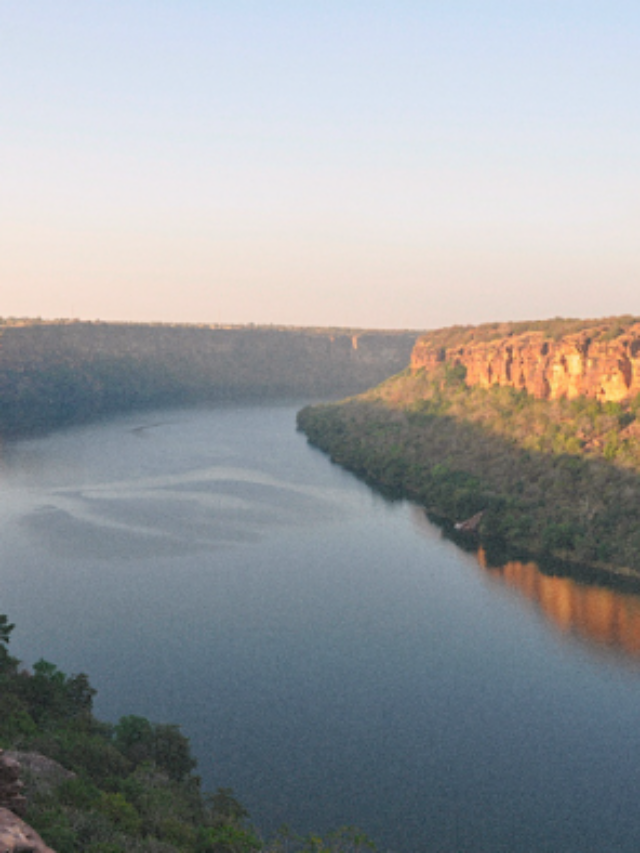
<point x="600" y="615"/>
<point x="606" y="617"/>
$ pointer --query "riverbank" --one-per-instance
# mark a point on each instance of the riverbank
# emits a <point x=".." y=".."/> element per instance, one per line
<point x="521" y="462"/>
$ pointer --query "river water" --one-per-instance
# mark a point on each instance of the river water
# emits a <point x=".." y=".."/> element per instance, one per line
<point x="330" y="655"/>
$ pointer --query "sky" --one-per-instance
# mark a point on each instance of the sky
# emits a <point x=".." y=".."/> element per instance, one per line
<point x="402" y="164"/>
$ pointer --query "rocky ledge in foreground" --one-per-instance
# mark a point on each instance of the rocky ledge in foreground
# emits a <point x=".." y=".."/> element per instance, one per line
<point x="16" y="836"/>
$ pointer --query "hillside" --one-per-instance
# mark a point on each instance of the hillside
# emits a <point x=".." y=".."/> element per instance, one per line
<point x="553" y="472"/>
<point x="53" y="373"/>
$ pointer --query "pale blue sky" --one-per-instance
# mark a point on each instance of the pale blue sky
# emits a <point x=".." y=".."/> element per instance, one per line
<point x="396" y="164"/>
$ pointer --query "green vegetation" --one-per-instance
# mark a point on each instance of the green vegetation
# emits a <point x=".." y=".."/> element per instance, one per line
<point x="132" y="788"/>
<point x="59" y="373"/>
<point x="551" y="477"/>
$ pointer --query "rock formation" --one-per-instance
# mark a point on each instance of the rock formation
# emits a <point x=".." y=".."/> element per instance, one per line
<point x="18" y="837"/>
<point x="588" y="363"/>
<point x="39" y="773"/>
<point x="15" y="835"/>
<point x="11" y="796"/>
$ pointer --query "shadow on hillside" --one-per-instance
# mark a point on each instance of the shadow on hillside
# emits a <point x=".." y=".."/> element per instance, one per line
<point x="579" y="516"/>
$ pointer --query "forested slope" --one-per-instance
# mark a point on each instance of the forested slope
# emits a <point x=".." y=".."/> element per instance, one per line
<point x="59" y="372"/>
<point x="550" y="476"/>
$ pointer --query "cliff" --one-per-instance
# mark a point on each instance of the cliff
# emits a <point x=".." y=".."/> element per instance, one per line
<point x="58" y="372"/>
<point x="601" y="361"/>
<point x="555" y="471"/>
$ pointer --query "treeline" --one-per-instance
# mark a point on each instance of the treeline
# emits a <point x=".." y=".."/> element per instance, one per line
<point x="557" y="478"/>
<point x="57" y="373"/>
<point x="557" y="328"/>
<point x="125" y="788"/>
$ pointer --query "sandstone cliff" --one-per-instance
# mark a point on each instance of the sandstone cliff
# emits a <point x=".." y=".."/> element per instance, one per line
<point x="594" y="362"/>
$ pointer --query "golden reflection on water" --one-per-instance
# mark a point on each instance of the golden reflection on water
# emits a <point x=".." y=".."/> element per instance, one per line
<point x="604" y="616"/>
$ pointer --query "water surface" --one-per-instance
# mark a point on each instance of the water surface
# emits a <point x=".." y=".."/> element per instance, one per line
<point x="331" y="657"/>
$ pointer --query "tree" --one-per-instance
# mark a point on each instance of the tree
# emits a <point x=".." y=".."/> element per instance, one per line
<point x="7" y="663"/>
<point x="225" y="808"/>
<point x="134" y="737"/>
<point x="165" y="745"/>
<point x="79" y="695"/>
<point x="5" y="629"/>
<point x="173" y="751"/>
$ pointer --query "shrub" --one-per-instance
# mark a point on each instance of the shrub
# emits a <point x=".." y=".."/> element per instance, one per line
<point x="227" y="838"/>
<point x="120" y="812"/>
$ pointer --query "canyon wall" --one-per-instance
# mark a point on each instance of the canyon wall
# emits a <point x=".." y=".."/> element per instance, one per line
<point x="57" y="372"/>
<point x="590" y="363"/>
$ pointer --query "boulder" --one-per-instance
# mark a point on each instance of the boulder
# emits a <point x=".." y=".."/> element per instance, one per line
<point x="40" y="774"/>
<point x="18" y="837"/>
<point x="11" y="796"/>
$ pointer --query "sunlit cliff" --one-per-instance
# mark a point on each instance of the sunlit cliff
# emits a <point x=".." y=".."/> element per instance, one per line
<point x="601" y="361"/>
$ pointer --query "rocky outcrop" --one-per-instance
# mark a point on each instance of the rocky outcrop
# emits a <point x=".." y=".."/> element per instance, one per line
<point x="16" y="836"/>
<point x="11" y="796"/>
<point x="588" y="363"/>
<point x="39" y="773"/>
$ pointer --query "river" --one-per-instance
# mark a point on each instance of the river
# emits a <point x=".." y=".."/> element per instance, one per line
<point x="330" y="655"/>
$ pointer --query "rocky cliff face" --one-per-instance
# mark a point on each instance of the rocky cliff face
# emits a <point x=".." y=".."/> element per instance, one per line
<point x="588" y="363"/>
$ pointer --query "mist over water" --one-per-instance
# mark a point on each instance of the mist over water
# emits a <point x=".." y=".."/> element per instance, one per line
<point x="331" y="657"/>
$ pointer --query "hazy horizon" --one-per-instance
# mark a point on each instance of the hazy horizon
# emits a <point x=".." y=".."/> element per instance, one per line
<point x="355" y="165"/>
